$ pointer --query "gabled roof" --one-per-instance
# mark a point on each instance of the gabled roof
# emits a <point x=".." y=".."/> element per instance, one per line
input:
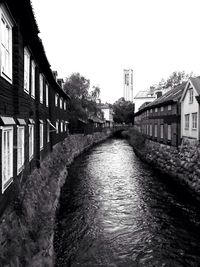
<point x="172" y="95"/>
<point x="195" y="83"/>
<point x="144" y="94"/>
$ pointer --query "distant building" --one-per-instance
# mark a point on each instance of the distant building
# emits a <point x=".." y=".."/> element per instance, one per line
<point x="143" y="97"/>
<point x="108" y="114"/>
<point x="128" y="85"/>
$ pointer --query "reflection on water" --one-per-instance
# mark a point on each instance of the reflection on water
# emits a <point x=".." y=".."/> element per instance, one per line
<point x="116" y="211"/>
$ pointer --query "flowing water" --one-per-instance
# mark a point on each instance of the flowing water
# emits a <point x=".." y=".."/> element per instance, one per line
<point x="116" y="211"/>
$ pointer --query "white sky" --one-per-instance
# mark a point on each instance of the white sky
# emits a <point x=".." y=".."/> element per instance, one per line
<point x="100" y="38"/>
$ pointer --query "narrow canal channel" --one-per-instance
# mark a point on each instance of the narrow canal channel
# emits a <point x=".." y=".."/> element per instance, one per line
<point x="117" y="211"/>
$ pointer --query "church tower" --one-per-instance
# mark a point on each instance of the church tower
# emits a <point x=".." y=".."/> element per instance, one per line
<point x="128" y="85"/>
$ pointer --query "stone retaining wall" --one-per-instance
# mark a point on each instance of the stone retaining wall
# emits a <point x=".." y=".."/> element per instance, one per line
<point x="27" y="226"/>
<point x="182" y="163"/>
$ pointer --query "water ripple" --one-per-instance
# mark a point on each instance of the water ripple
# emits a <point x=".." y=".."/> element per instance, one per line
<point x="116" y="211"/>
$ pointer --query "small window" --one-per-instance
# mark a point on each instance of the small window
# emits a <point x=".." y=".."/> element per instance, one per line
<point x="56" y="100"/>
<point x="150" y="129"/>
<point x="57" y="126"/>
<point x="33" y="79"/>
<point x="161" y="131"/>
<point x="162" y="109"/>
<point x="194" y="121"/>
<point x="169" y="133"/>
<point x="187" y="121"/>
<point x="47" y="95"/>
<point x="61" y="126"/>
<point x="27" y="62"/>
<point x="156" y="131"/>
<point x="7" y="157"/>
<point x="31" y="140"/>
<point x="41" y="88"/>
<point x="65" y="105"/>
<point x="6" y="44"/>
<point x="20" y="148"/>
<point x="151" y="110"/>
<point x="156" y="109"/>
<point x="169" y="107"/>
<point x="41" y="134"/>
<point x="191" y="95"/>
<point x="61" y="102"/>
<point x="48" y="132"/>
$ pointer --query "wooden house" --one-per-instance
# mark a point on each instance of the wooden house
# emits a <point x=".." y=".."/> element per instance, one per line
<point x="30" y="121"/>
<point x="190" y="111"/>
<point x="160" y="120"/>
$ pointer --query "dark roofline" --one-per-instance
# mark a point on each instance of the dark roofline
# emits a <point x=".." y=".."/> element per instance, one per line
<point x="23" y="12"/>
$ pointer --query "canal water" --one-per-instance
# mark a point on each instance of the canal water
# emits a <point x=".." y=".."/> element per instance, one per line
<point x="115" y="211"/>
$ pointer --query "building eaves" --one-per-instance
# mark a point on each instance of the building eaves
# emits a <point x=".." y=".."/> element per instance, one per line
<point x="170" y="97"/>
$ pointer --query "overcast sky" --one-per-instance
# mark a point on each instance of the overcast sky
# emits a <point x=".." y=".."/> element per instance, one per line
<point x="99" y="38"/>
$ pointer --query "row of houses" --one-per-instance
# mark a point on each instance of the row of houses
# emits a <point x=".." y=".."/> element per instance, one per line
<point x="33" y="105"/>
<point x="174" y="117"/>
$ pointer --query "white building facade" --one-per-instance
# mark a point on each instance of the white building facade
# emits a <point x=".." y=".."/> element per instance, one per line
<point x="128" y="84"/>
<point x="190" y="112"/>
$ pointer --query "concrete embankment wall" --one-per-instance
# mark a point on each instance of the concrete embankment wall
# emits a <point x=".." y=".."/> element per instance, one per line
<point x="182" y="163"/>
<point x="27" y="226"/>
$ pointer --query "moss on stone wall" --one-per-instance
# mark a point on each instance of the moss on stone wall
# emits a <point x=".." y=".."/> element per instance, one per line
<point x="27" y="226"/>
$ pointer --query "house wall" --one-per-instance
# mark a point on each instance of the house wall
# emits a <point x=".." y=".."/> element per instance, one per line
<point x="150" y="117"/>
<point x="18" y="104"/>
<point x="189" y="108"/>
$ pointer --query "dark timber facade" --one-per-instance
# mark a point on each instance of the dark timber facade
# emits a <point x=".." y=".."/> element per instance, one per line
<point x="161" y="119"/>
<point x="31" y="121"/>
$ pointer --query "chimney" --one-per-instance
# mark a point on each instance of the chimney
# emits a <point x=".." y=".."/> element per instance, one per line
<point x="55" y="74"/>
<point x="158" y="94"/>
<point x="60" y="81"/>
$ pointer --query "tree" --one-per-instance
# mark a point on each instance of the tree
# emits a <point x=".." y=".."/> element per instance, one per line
<point x="123" y="111"/>
<point x="81" y="104"/>
<point x="77" y="86"/>
<point x="95" y="93"/>
<point x="176" y="78"/>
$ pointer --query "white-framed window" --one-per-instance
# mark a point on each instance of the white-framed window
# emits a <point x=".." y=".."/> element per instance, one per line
<point x="169" y="132"/>
<point x="156" y="130"/>
<point x="191" y="95"/>
<point x="27" y="62"/>
<point x="6" y="44"/>
<point x="31" y="140"/>
<point x="41" y="135"/>
<point x="57" y="126"/>
<point x="7" y="157"/>
<point x="48" y="132"/>
<point x="41" y="88"/>
<point x="61" y="126"/>
<point x="65" y="105"/>
<point x="194" y="121"/>
<point x="47" y="95"/>
<point x="33" y="78"/>
<point x="20" y="148"/>
<point x="162" y="109"/>
<point x="56" y="100"/>
<point x="151" y="110"/>
<point x="150" y="129"/>
<point x="169" y="107"/>
<point x="156" y="109"/>
<point x="187" y="121"/>
<point x="61" y="102"/>
<point x="161" y="131"/>
<point x="65" y="126"/>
